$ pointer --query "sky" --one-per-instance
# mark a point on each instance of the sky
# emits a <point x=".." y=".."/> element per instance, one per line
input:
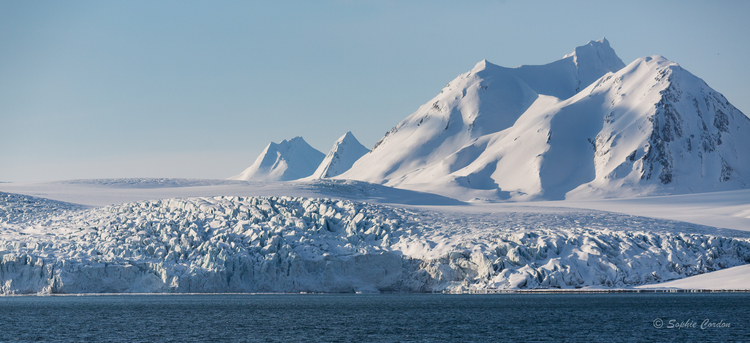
<point x="197" y="89"/>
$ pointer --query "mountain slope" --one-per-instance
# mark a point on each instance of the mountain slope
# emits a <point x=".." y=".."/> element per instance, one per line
<point x="665" y="131"/>
<point x="285" y="161"/>
<point x="345" y="151"/>
<point x="486" y="100"/>
<point x="648" y="128"/>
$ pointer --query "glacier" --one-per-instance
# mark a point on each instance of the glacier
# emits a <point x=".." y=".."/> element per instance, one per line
<point x="300" y="244"/>
<point x="581" y="173"/>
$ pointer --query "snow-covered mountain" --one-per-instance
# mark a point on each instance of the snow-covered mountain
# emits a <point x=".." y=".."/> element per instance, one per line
<point x="345" y="151"/>
<point x="289" y="160"/>
<point x="654" y="128"/>
<point x="583" y="126"/>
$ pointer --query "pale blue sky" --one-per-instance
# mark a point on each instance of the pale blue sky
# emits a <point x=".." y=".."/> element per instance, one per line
<point x="100" y="89"/>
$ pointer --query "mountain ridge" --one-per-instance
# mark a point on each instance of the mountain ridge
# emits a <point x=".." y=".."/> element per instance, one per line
<point x="584" y="126"/>
<point x="515" y="143"/>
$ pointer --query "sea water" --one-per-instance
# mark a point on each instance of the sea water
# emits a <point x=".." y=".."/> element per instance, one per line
<point x="600" y="317"/>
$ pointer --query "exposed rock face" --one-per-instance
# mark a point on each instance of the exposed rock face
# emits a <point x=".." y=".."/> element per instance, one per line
<point x="691" y="139"/>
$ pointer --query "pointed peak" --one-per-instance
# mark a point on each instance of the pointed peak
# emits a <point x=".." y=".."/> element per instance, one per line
<point x="593" y="60"/>
<point x="655" y="62"/>
<point x="599" y="48"/>
<point x="291" y="142"/>
<point x="601" y="45"/>
<point x="297" y="139"/>
<point x="602" y="41"/>
<point x="659" y="59"/>
<point x="595" y="44"/>
<point x="345" y="151"/>
<point x="288" y="144"/>
<point x="482" y="65"/>
<point x="288" y="160"/>
<point x="348" y="139"/>
<point x="661" y="65"/>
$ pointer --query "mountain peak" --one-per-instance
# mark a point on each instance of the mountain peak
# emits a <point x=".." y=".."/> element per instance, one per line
<point x="288" y="160"/>
<point x="345" y="151"/>
<point x="287" y="143"/>
<point x="483" y="65"/>
<point x="582" y="126"/>
<point x="593" y="60"/>
<point x="486" y="100"/>
<point x="601" y="45"/>
<point x="348" y="136"/>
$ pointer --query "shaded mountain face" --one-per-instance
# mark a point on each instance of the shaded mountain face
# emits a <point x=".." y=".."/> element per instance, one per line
<point x="665" y="131"/>
<point x="289" y="160"/>
<point x="345" y="151"/>
<point x="583" y="126"/>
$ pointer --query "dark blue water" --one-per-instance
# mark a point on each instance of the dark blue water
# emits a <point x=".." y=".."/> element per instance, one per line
<point x="613" y="317"/>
